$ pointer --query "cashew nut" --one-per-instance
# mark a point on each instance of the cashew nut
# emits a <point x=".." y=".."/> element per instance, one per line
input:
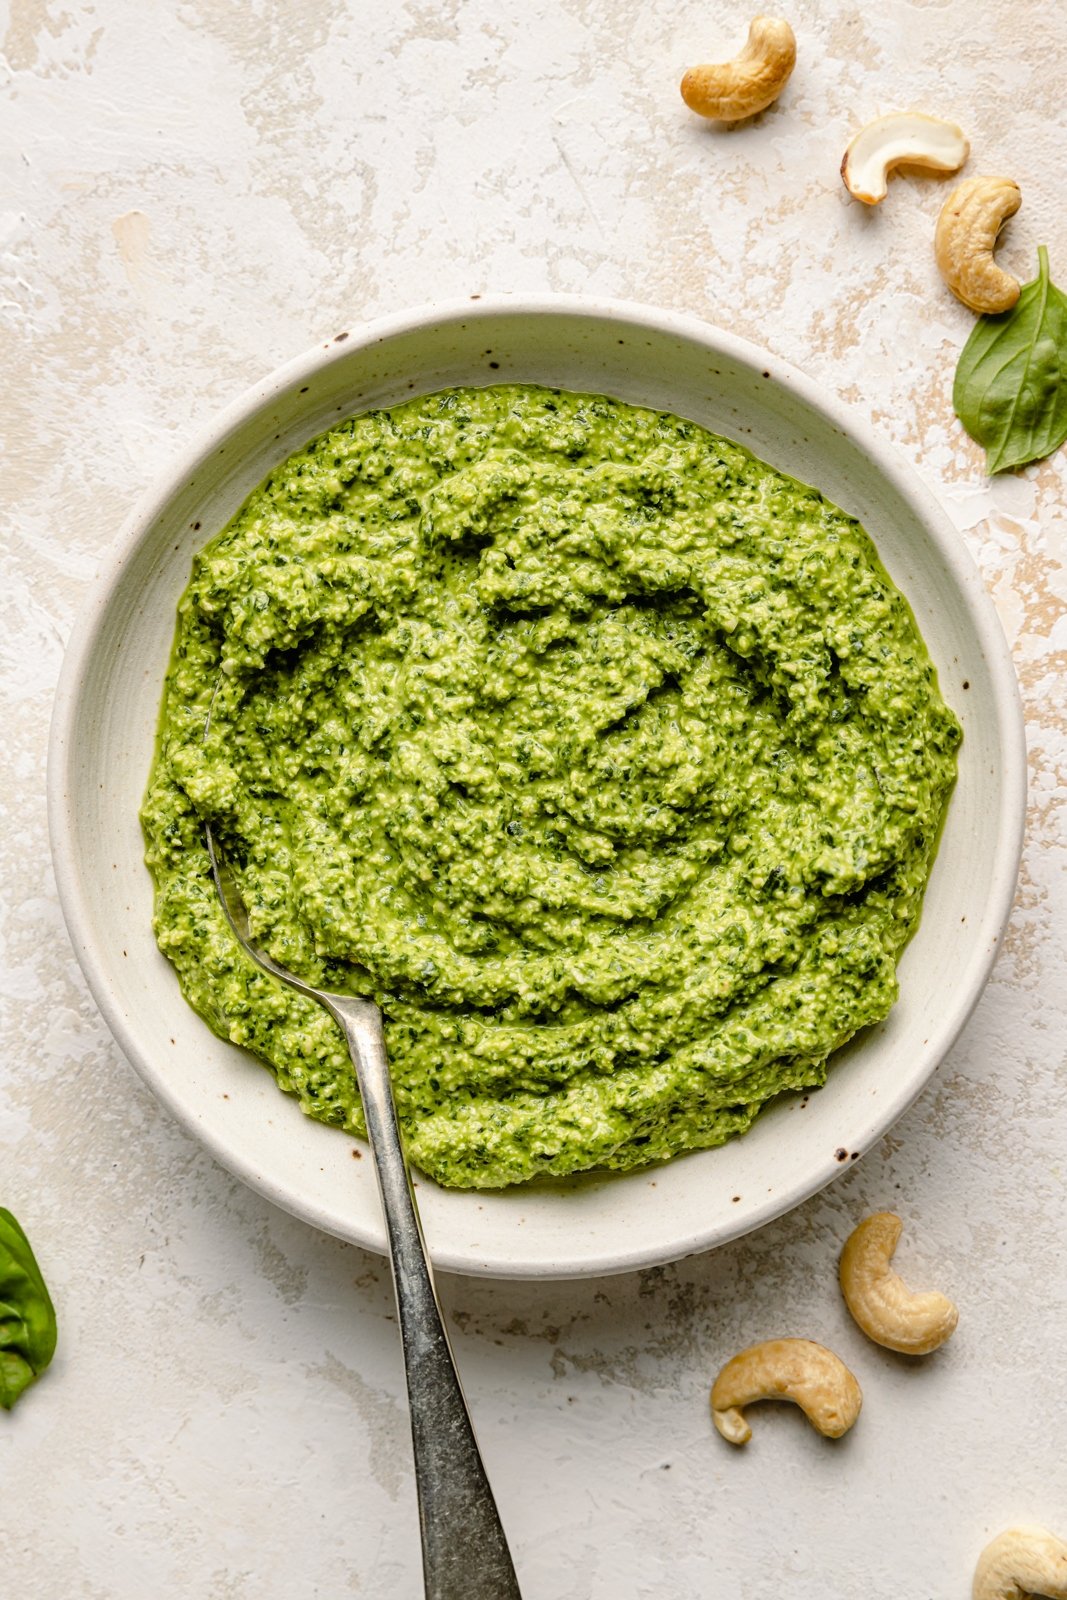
<point x="967" y="229"/>
<point x="750" y="82"/>
<point x="786" y="1369"/>
<point x="1021" y="1562"/>
<point x="879" y="1301"/>
<point x="887" y="142"/>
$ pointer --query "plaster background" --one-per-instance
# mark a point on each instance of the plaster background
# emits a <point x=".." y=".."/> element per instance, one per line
<point x="190" y="192"/>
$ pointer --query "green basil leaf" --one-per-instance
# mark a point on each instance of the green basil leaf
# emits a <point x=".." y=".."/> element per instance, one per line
<point x="1010" y="391"/>
<point x="27" y="1315"/>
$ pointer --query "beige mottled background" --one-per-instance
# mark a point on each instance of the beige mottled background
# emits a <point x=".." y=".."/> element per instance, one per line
<point x="190" y="192"/>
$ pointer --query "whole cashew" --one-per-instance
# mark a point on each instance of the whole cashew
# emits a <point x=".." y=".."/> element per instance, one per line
<point x="750" y="82"/>
<point x="967" y="229"/>
<point x="1021" y="1562"/>
<point x="786" y="1369"/>
<point x="878" y="1300"/>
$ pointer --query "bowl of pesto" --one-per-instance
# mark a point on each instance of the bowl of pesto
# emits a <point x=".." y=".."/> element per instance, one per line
<point x="603" y="699"/>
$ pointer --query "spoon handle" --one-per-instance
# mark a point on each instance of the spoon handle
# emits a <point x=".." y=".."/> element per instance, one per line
<point x="465" y="1554"/>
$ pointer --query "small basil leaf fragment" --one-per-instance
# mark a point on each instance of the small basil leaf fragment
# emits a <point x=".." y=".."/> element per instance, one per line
<point x="1010" y="391"/>
<point x="27" y="1316"/>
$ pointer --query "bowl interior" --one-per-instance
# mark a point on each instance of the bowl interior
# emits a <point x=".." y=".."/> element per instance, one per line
<point x="105" y="725"/>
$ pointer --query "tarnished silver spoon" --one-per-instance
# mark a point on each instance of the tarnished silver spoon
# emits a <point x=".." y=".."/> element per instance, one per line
<point x="465" y="1553"/>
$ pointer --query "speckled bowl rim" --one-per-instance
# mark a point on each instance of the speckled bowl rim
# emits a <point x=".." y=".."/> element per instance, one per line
<point x="74" y="892"/>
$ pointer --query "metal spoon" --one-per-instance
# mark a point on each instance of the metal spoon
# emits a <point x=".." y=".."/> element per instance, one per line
<point x="465" y="1554"/>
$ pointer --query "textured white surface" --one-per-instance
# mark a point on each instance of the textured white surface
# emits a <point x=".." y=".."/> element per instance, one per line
<point x="192" y="192"/>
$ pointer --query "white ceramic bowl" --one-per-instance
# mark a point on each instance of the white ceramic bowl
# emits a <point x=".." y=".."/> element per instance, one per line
<point x="105" y="720"/>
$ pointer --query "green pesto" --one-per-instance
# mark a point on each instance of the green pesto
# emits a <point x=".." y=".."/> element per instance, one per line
<point x="604" y="756"/>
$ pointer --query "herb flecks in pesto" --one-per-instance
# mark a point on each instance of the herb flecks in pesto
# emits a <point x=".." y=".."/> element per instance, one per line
<point x="605" y="757"/>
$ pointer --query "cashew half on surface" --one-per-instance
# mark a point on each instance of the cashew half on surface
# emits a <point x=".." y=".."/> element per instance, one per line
<point x="1021" y="1562"/>
<point x="967" y="229"/>
<point x="888" y="142"/>
<point x="878" y="1299"/>
<point x="786" y="1369"/>
<point x="730" y="90"/>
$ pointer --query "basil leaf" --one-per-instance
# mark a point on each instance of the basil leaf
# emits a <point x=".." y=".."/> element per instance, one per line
<point x="1010" y="391"/>
<point x="27" y="1315"/>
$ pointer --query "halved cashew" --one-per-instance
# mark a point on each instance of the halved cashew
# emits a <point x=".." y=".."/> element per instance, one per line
<point x="967" y="229"/>
<point x="887" y="142"/>
<point x="786" y="1369"/>
<point x="750" y="82"/>
<point x="1021" y="1562"/>
<point x="879" y="1301"/>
